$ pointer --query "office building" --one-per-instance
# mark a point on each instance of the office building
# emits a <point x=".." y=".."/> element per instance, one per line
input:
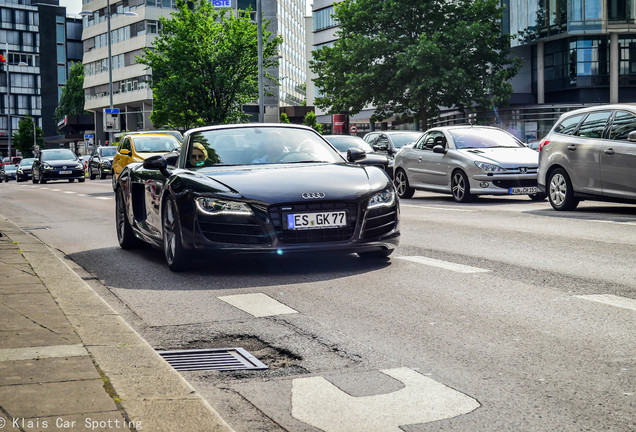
<point x="132" y="94"/>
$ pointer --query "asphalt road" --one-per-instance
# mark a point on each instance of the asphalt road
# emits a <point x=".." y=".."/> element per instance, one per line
<point x="492" y="316"/>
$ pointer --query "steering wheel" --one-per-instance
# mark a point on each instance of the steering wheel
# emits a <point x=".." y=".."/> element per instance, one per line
<point x="294" y="156"/>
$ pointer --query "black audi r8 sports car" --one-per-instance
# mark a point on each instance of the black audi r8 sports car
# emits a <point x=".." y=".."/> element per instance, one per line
<point x="255" y="188"/>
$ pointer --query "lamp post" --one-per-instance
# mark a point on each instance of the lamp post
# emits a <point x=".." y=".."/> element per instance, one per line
<point x="261" y="90"/>
<point x="110" y="58"/>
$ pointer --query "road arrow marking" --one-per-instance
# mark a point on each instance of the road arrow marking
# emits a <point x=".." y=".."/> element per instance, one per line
<point x="321" y="404"/>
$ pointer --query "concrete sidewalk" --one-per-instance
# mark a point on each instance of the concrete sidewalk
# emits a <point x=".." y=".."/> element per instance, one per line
<point x="69" y="362"/>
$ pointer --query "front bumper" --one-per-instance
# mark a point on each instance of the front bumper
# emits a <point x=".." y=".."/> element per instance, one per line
<point x="500" y="184"/>
<point x="62" y="174"/>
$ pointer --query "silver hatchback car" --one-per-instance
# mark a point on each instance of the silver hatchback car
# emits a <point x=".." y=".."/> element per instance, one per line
<point x="590" y="154"/>
<point x="466" y="161"/>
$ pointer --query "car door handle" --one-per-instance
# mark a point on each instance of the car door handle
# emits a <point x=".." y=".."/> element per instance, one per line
<point x="609" y="151"/>
<point x="571" y="147"/>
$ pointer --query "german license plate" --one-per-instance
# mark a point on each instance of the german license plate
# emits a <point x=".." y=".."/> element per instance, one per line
<point x="66" y="172"/>
<point x="523" y="190"/>
<point x="330" y="219"/>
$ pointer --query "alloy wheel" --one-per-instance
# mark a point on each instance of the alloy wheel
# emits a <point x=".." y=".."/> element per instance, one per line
<point x="558" y="189"/>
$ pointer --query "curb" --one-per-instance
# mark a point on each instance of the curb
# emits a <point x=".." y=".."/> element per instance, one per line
<point x="148" y="389"/>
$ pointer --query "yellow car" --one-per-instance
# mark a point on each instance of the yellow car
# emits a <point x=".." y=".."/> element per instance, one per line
<point x="137" y="147"/>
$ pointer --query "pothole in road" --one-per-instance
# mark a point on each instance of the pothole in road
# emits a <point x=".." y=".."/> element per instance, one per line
<point x="272" y="357"/>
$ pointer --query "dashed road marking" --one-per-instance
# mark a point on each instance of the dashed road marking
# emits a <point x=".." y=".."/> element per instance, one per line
<point x="459" y="268"/>
<point x="258" y="304"/>
<point x="612" y="300"/>
<point x="436" y="208"/>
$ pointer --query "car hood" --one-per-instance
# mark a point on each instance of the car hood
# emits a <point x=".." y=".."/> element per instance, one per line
<point x="287" y="183"/>
<point x="62" y="163"/>
<point x="505" y="157"/>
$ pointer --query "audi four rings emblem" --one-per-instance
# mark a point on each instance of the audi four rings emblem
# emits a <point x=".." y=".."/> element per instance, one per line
<point x="313" y="195"/>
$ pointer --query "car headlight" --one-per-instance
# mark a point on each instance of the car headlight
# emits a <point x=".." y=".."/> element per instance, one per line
<point x="489" y="167"/>
<point x="385" y="198"/>
<point x="213" y="206"/>
<point x="79" y="166"/>
<point x="19" y="170"/>
<point x="106" y="163"/>
<point x="47" y="166"/>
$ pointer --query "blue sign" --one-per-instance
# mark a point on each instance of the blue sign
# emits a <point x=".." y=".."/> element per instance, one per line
<point x="111" y="110"/>
<point x="221" y="3"/>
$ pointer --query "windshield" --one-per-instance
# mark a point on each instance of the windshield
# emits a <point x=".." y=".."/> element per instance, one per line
<point x="483" y="138"/>
<point x="62" y="154"/>
<point x="344" y="143"/>
<point x="108" y="151"/>
<point x="10" y="167"/>
<point x="259" y="145"/>
<point x="26" y="162"/>
<point x="155" y="144"/>
<point x="400" y="139"/>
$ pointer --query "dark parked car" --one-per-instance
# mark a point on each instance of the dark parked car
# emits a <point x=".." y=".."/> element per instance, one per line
<point x="241" y="189"/>
<point x="101" y="162"/>
<point x="390" y="142"/>
<point x="8" y="172"/>
<point x="590" y="154"/>
<point x="349" y="145"/>
<point x="24" y="169"/>
<point x="57" y="164"/>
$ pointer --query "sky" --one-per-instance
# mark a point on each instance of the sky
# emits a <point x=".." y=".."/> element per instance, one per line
<point x="73" y="7"/>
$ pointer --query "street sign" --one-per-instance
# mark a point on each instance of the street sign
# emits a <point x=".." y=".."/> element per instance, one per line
<point x="89" y="139"/>
<point x="112" y="122"/>
<point x="353" y="129"/>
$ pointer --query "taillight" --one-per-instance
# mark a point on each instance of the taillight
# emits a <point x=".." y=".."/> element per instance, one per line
<point x="543" y="143"/>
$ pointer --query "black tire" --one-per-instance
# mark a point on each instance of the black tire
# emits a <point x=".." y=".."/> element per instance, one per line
<point x="460" y="188"/>
<point x="378" y="254"/>
<point x="125" y="235"/>
<point x="18" y="180"/>
<point x="71" y="180"/>
<point x="92" y="176"/>
<point x="43" y="181"/>
<point x="102" y="175"/>
<point x="34" y="180"/>
<point x="401" y="183"/>
<point x="177" y="257"/>
<point x="560" y="191"/>
<point x="81" y="180"/>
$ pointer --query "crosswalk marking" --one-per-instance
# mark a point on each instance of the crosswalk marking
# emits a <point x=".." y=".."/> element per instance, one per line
<point x="459" y="268"/>
<point x="612" y="300"/>
<point x="257" y="304"/>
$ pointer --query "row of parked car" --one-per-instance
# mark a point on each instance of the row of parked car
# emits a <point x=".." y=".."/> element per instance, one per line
<point x="588" y="154"/>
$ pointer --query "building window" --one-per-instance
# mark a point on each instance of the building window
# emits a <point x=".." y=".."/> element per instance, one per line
<point x="323" y="19"/>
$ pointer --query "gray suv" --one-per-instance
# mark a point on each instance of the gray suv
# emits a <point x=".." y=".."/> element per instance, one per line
<point x="590" y="154"/>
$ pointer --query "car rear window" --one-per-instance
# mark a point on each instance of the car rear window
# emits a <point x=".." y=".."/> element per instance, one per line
<point x="569" y="124"/>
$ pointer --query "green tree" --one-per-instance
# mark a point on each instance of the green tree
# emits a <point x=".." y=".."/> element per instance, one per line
<point x="23" y="137"/>
<point x="284" y="118"/>
<point x="205" y="65"/>
<point x="409" y="58"/>
<point x="72" y="99"/>
<point x="311" y="121"/>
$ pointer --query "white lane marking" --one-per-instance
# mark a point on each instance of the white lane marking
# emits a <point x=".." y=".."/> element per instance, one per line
<point x="436" y="208"/>
<point x="612" y="300"/>
<point x="612" y="222"/>
<point x="459" y="268"/>
<point x="257" y="304"/>
<point x="103" y="198"/>
<point x="56" y="190"/>
<point x="31" y="353"/>
<point x="321" y="404"/>
<point x="70" y="192"/>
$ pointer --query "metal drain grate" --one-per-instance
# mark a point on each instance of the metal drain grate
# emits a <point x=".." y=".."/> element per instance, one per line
<point x="221" y="359"/>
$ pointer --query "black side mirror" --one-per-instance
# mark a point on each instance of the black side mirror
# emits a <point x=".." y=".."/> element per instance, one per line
<point x="172" y="158"/>
<point x="355" y="154"/>
<point x="158" y="163"/>
<point x="439" y="149"/>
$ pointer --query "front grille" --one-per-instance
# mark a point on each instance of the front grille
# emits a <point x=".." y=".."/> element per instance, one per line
<point x="277" y="213"/>
<point x="379" y="221"/>
<point x="506" y="184"/>
<point x="232" y="229"/>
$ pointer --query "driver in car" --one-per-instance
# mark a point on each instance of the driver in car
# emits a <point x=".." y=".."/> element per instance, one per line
<point x="273" y="148"/>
